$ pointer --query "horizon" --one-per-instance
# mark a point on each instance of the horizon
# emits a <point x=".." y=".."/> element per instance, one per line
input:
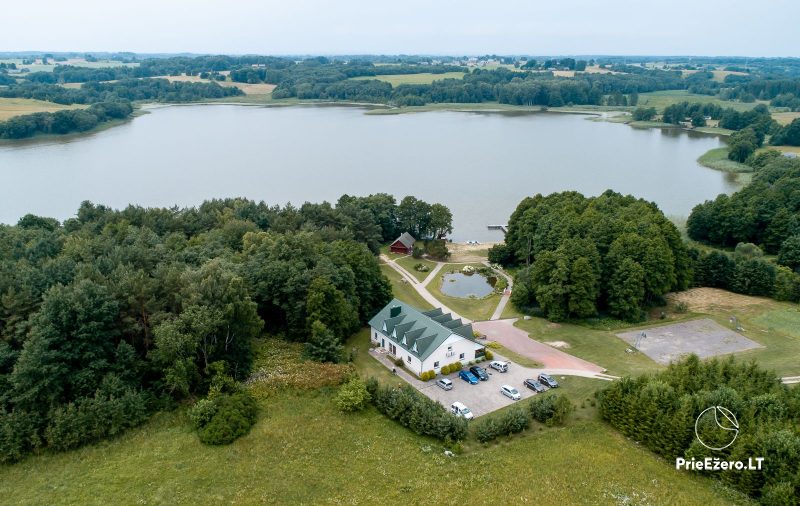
<point x="446" y="28"/>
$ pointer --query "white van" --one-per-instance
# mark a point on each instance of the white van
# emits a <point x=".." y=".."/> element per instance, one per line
<point x="499" y="366"/>
<point x="459" y="409"/>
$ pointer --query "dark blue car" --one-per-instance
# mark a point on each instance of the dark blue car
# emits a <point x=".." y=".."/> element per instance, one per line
<point x="468" y="377"/>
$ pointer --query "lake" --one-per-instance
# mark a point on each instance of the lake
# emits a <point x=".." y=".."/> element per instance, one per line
<point x="479" y="164"/>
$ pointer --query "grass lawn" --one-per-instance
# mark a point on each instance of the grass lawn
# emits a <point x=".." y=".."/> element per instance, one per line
<point x="717" y="159"/>
<point x="409" y="262"/>
<point x="10" y="107"/>
<point x="303" y="451"/>
<point x="474" y="309"/>
<point x="661" y="99"/>
<point x="404" y="291"/>
<point x="602" y="347"/>
<point x="784" y="118"/>
<point x="421" y="78"/>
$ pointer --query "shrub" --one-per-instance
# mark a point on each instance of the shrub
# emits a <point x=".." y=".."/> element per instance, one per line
<point x="419" y="413"/>
<point x="681" y="307"/>
<point x="417" y="252"/>
<point x="511" y="422"/>
<point x="424" y="376"/>
<point x="352" y="396"/>
<point x="551" y="409"/>
<point x="431" y="374"/>
<point x="18" y="434"/>
<point x="456" y="366"/>
<point x="445" y="370"/>
<point x="421" y="268"/>
<point x="489" y="355"/>
<point x="398" y="362"/>
<point x="235" y="414"/>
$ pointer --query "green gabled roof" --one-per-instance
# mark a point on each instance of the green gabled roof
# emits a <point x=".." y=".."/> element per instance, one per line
<point x="464" y="331"/>
<point x="453" y="324"/>
<point x="425" y="329"/>
<point x="392" y="322"/>
<point x="442" y="318"/>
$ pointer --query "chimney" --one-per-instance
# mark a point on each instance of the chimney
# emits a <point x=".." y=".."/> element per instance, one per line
<point x="395" y="311"/>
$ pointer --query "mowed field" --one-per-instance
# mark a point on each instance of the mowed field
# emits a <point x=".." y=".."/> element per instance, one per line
<point x="784" y="118"/>
<point x="423" y="78"/>
<point x="78" y="62"/>
<point x="302" y="450"/>
<point x="10" y="107"/>
<point x="248" y="89"/>
<point x="662" y="99"/>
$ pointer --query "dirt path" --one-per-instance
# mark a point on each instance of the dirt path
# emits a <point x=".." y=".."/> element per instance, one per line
<point x="518" y="341"/>
<point x="420" y="287"/>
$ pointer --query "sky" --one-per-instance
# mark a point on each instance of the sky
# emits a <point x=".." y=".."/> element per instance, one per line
<point x="446" y="27"/>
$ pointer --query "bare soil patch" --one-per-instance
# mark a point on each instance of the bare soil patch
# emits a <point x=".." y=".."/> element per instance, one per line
<point x="461" y="253"/>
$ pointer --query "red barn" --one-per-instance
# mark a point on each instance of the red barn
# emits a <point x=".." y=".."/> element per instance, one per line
<point x="403" y="244"/>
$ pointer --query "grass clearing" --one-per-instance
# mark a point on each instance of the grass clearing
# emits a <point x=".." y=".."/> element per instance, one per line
<point x="303" y="451"/>
<point x="717" y="159"/>
<point x="472" y="308"/>
<point x="784" y="118"/>
<point x="301" y="439"/>
<point x="247" y="88"/>
<point x="408" y="263"/>
<point x="661" y="99"/>
<point x="601" y="347"/>
<point x="10" y="107"/>
<point x="403" y="290"/>
<point x="421" y="78"/>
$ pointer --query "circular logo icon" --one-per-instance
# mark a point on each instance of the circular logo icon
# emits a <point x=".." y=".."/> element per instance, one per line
<point x="722" y="422"/>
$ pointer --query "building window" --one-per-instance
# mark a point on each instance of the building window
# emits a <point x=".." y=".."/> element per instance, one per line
<point x="461" y="356"/>
<point x="408" y="358"/>
<point x="450" y="348"/>
<point x="435" y="365"/>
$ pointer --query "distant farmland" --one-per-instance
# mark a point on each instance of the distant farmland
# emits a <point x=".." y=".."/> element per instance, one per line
<point x="423" y="78"/>
<point x="10" y="107"/>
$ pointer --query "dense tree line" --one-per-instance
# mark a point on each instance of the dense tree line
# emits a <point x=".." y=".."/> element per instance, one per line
<point x="788" y="135"/>
<point x="158" y="90"/>
<point x="111" y="314"/>
<point x="582" y="255"/>
<point x="746" y="271"/>
<point x="659" y="411"/>
<point x="764" y="213"/>
<point x="64" y="122"/>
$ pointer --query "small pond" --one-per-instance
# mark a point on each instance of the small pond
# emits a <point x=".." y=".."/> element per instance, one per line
<point x="456" y="284"/>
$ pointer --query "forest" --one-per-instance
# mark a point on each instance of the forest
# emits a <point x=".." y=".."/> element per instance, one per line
<point x="611" y="253"/>
<point x="108" y="101"/>
<point x="659" y="412"/>
<point x="113" y="315"/>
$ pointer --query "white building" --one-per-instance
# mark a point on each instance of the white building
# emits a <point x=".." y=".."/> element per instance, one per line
<point x="424" y="340"/>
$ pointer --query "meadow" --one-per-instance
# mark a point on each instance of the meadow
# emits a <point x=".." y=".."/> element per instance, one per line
<point x="303" y="450"/>
<point x="10" y="107"/>
<point x="409" y="262"/>
<point x="718" y="159"/>
<point x="662" y="99"/>
<point x="422" y="78"/>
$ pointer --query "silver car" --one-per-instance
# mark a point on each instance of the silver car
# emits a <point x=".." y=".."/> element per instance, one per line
<point x="444" y="384"/>
<point x="510" y="392"/>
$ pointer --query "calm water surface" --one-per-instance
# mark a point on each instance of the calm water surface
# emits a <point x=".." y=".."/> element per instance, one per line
<point x="457" y="284"/>
<point x="480" y="165"/>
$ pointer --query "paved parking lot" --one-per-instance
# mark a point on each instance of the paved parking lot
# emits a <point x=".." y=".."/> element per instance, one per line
<point x="484" y="397"/>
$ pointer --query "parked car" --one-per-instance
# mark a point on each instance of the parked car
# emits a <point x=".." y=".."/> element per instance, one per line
<point x="468" y="377"/>
<point x="548" y="380"/>
<point x="445" y="384"/>
<point x="480" y="372"/>
<point x="499" y="366"/>
<point x="459" y="409"/>
<point x="534" y="385"/>
<point x="510" y="392"/>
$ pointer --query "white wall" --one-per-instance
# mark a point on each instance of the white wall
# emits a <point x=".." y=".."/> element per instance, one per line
<point x="460" y="345"/>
